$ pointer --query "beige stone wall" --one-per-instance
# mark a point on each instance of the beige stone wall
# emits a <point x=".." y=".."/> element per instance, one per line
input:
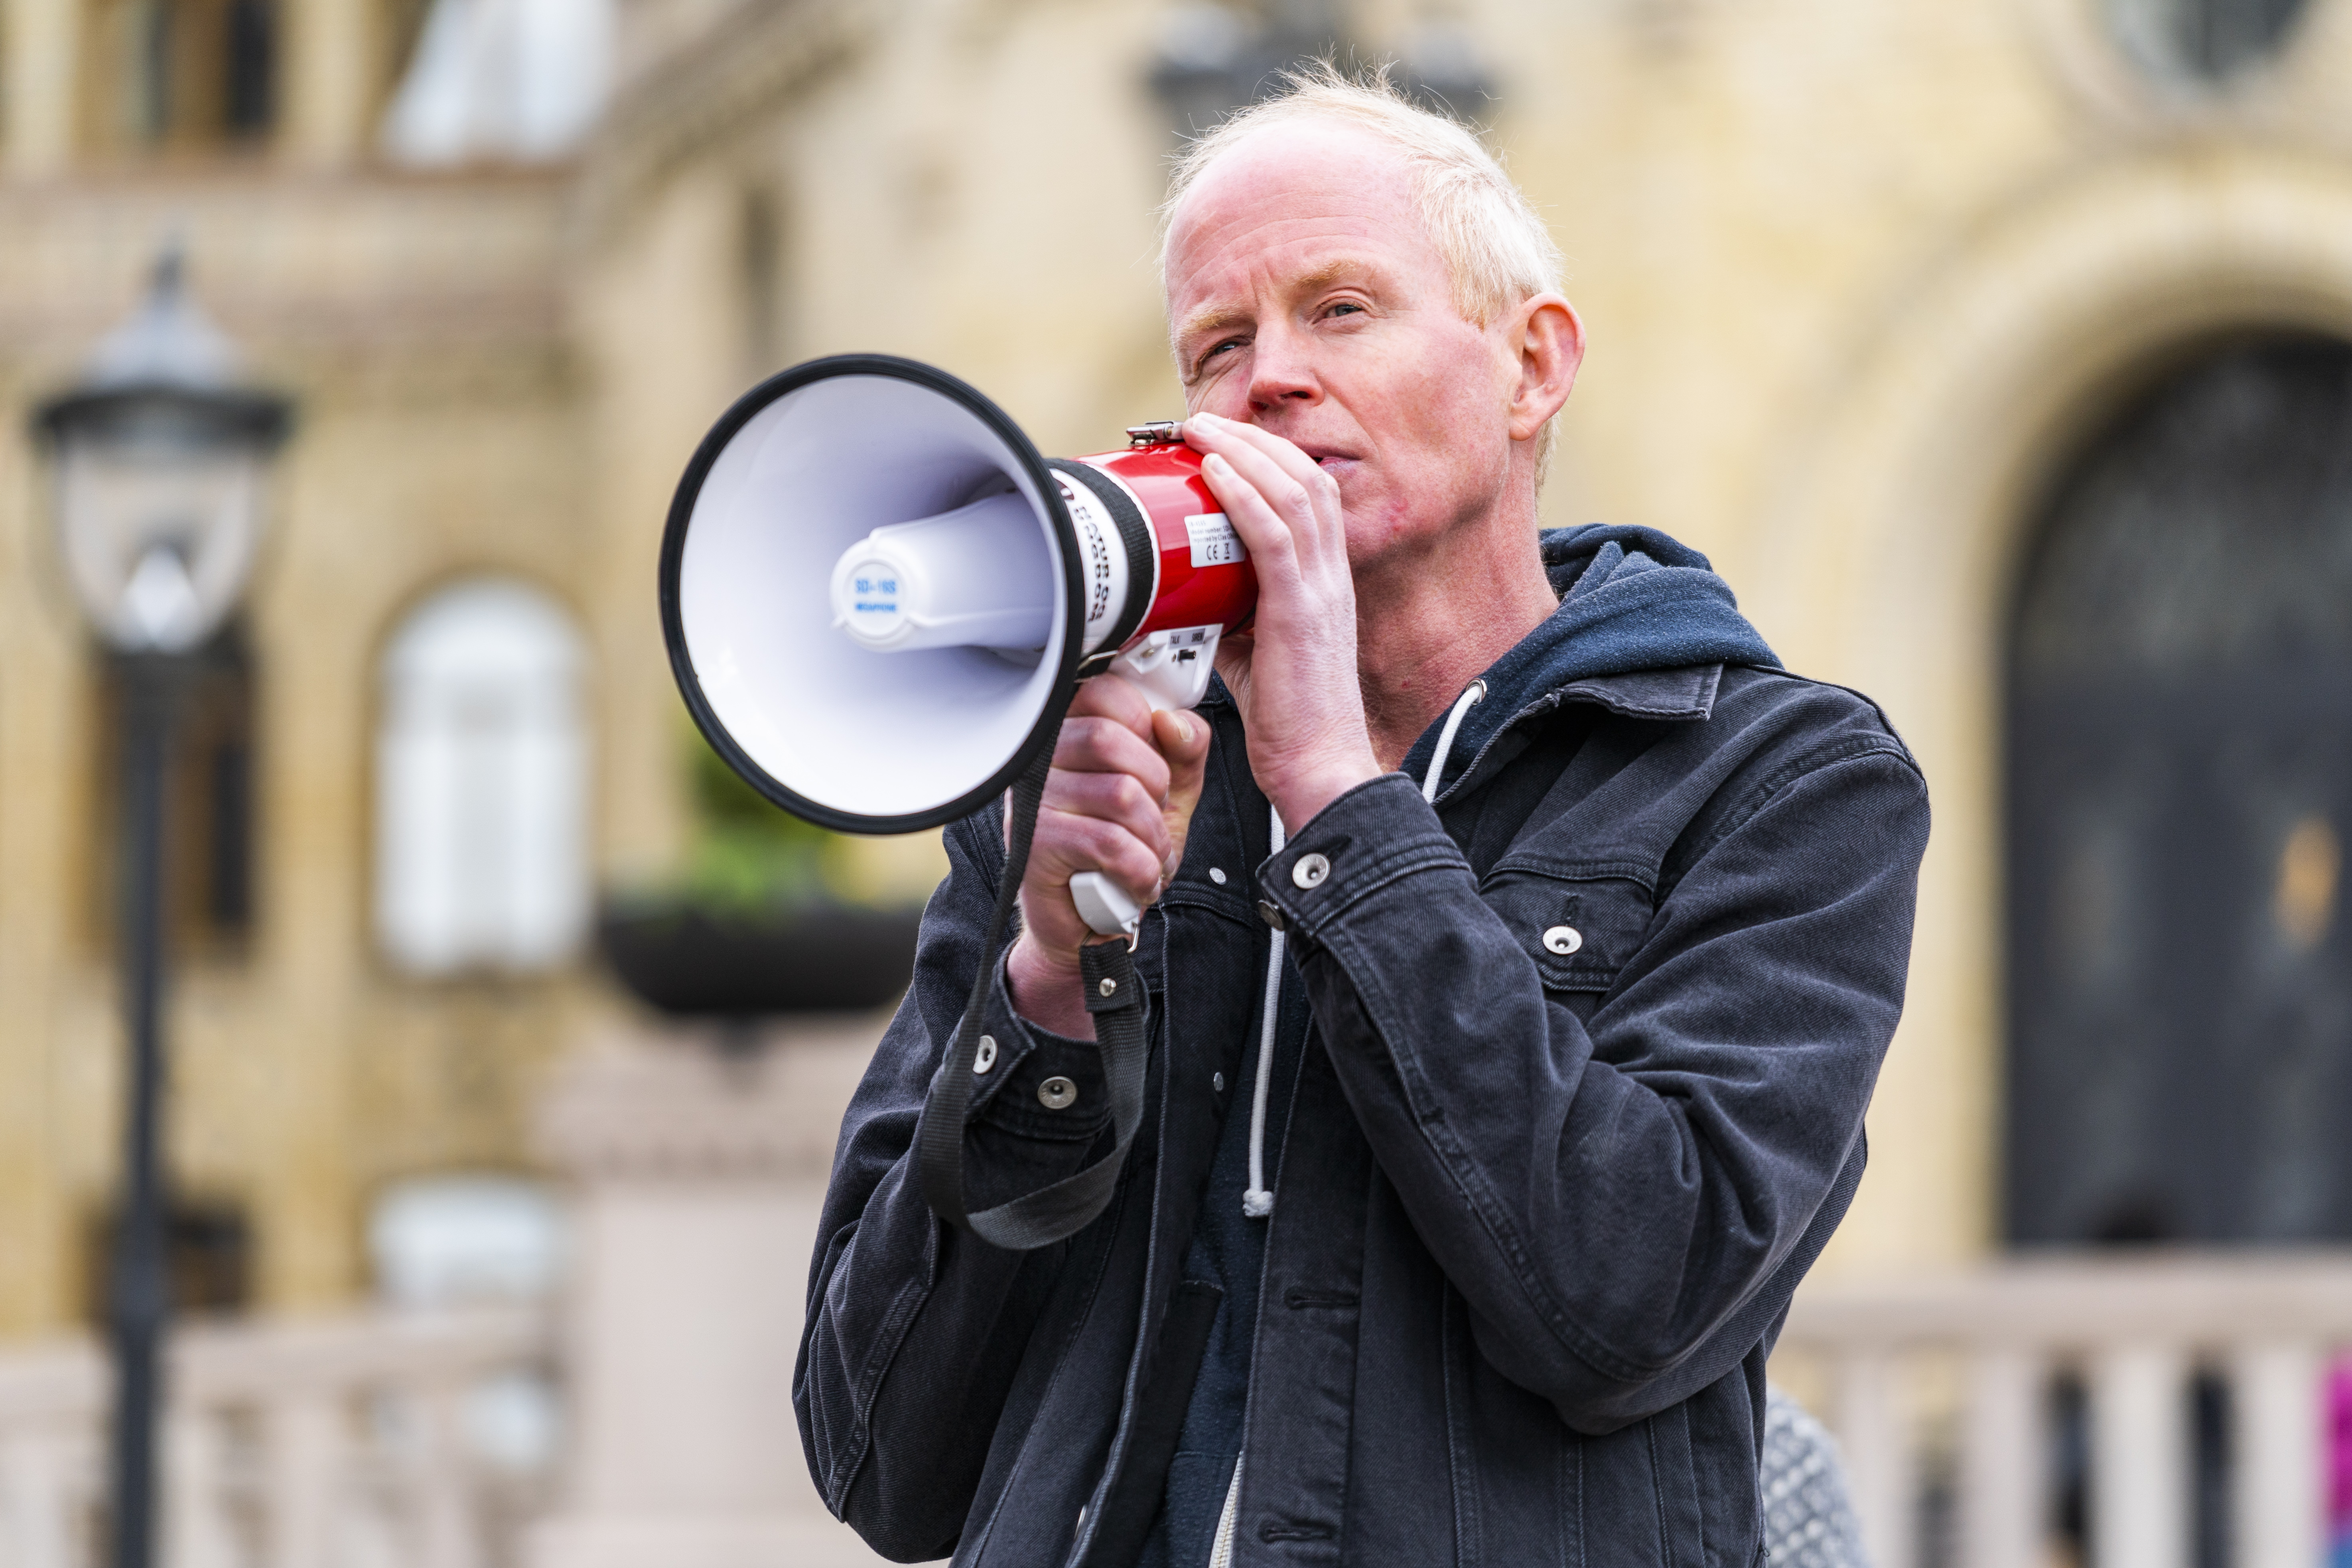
<point x="1854" y="271"/>
<point x="421" y="326"/>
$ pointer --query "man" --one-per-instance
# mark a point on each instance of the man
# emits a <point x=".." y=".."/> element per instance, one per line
<point x="1496" y="1113"/>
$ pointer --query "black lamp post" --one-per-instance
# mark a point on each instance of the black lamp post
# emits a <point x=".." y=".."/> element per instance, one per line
<point x="160" y="456"/>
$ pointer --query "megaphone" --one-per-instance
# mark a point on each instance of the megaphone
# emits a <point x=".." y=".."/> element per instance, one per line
<point x="878" y="598"/>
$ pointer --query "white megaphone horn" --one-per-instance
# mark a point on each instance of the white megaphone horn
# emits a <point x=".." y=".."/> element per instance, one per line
<point x="878" y="598"/>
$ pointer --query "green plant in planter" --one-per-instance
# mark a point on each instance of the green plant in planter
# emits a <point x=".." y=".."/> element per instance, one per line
<point x="764" y="917"/>
<point x="748" y="857"/>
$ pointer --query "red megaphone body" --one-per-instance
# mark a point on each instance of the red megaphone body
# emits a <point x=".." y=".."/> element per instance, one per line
<point x="1162" y="574"/>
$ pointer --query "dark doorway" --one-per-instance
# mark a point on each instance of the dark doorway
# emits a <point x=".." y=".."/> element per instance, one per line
<point x="208" y="1252"/>
<point x="2179" y="789"/>
<point x="183" y="76"/>
<point x="209" y="803"/>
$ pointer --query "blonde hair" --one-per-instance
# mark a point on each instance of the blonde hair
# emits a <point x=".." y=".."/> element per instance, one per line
<point x="1496" y="248"/>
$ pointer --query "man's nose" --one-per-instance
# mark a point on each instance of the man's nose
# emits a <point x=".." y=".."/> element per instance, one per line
<point x="1282" y="372"/>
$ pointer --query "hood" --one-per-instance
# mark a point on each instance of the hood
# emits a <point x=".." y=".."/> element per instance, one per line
<point x="1631" y="599"/>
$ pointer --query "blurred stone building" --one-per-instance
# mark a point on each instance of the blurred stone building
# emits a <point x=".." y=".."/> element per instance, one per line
<point x="324" y="1045"/>
<point x="1922" y="320"/>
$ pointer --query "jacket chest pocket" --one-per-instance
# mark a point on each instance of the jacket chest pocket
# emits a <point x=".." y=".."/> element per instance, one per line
<point x="1579" y="928"/>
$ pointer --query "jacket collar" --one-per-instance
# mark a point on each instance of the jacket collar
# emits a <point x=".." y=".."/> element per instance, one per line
<point x="1682" y="694"/>
<point x="1685" y="692"/>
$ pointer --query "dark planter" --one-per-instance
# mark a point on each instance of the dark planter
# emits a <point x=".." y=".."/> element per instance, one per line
<point x="691" y="962"/>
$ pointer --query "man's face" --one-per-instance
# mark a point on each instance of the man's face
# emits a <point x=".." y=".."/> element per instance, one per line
<point x="1306" y="298"/>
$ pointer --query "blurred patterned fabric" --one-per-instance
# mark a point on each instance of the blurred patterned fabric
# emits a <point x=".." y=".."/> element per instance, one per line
<point x="2340" y="1464"/>
<point x="1808" y="1521"/>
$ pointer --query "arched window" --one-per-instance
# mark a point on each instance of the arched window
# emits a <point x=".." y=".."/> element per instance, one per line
<point x="481" y="784"/>
<point x="456" y="1237"/>
<point x="460" y="1240"/>
<point x="2209" y="40"/>
<point x="2180" y="786"/>
<point x="501" y="81"/>
<point x="181" y="74"/>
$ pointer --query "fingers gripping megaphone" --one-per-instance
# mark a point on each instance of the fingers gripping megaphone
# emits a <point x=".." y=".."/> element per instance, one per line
<point x="878" y="598"/>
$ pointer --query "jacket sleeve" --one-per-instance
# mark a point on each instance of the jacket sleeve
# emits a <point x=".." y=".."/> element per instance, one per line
<point x="1626" y="1204"/>
<point x="914" y="1329"/>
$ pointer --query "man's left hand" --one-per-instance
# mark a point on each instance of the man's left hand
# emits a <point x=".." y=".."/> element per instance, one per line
<point x="1293" y="674"/>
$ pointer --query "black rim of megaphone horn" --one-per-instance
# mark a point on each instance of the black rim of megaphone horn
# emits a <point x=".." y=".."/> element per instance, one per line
<point x="673" y="556"/>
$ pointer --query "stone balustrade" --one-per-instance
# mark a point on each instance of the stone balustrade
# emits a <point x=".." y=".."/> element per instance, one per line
<point x="1947" y="1388"/>
<point x="378" y="1440"/>
<point x="426" y="1440"/>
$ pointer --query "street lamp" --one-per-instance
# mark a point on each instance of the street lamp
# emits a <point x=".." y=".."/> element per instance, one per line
<point x="160" y="456"/>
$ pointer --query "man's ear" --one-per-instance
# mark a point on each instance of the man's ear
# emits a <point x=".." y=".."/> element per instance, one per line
<point x="1547" y="337"/>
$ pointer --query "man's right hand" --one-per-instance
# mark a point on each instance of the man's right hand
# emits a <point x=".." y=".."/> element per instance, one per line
<point x="1119" y="800"/>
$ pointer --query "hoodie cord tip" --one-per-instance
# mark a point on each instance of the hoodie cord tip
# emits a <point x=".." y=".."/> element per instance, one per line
<point x="1256" y="1205"/>
<point x="1474" y="694"/>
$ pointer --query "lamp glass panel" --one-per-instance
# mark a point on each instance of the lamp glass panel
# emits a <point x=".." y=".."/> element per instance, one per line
<point x="162" y="520"/>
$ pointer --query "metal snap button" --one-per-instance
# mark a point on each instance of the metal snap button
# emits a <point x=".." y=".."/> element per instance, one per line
<point x="1563" y="939"/>
<point x="1108" y="986"/>
<point x="1310" y="871"/>
<point x="1271" y="914"/>
<point x="1057" y="1094"/>
<point x="983" y="1061"/>
<point x="1217" y="1082"/>
<point x="1217" y="874"/>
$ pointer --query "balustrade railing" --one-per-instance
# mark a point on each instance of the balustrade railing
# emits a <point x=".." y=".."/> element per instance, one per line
<point x="2156" y="1410"/>
<point x="381" y="1440"/>
<point x="2169" y="1394"/>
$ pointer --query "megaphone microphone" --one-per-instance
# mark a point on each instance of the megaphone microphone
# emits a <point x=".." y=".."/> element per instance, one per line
<point x="878" y="598"/>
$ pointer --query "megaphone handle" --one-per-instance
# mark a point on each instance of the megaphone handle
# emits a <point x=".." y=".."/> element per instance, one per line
<point x="1172" y="666"/>
<point x="1104" y="905"/>
<point x="1171" y="669"/>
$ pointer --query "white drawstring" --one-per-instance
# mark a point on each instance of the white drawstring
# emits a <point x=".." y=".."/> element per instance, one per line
<point x="1462" y="706"/>
<point x="1221" y="1549"/>
<point x="1257" y="1203"/>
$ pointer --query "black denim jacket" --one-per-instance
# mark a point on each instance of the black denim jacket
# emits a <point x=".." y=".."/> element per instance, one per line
<point x="1539" y="1212"/>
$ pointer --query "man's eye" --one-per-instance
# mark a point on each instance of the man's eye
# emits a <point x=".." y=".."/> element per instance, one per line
<point x="1216" y="349"/>
<point x="1346" y="307"/>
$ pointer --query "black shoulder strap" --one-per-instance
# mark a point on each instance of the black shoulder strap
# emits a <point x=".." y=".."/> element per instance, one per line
<point x="1114" y="997"/>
